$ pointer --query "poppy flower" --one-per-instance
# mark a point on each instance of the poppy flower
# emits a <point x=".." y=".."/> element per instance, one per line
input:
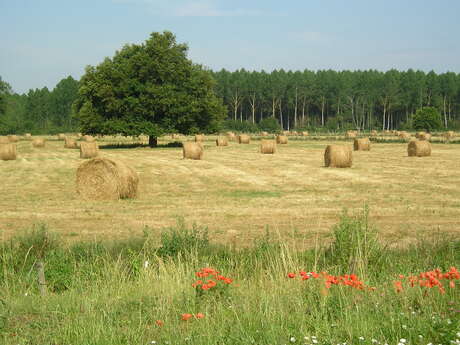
<point x="291" y="275"/>
<point x="159" y="323"/>
<point x="185" y="317"/>
<point x="199" y="316"/>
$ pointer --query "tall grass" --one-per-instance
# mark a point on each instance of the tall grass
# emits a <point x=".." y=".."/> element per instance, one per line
<point x="113" y="293"/>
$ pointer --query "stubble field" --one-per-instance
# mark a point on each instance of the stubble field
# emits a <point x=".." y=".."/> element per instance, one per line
<point x="237" y="193"/>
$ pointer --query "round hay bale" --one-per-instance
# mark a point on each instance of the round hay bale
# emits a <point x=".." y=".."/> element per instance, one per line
<point x="27" y="136"/>
<point x="89" y="150"/>
<point x="305" y="134"/>
<point x="61" y="136"/>
<point x="404" y="135"/>
<point x="231" y="136"/>
<point x="192" y="150"/>
<point x="350" y="134"/>
<point x="244" y="139"/>
<point x="8" y="152"/>
<point x="338" y="156"/>
<point x="449" y="135"/>
<point x="362" y="144"/>
<point x="374" y="133"/>
<point x="4" y="140"/>
<point x="70" y="143"/>
<point x="294" y="133"/>
<point x="281" y="139"/>
<point x="264" y="134"/>
<point x="286" y="133"/>
<point x="417" y="148"/>
<point x="221" y="141"/>
<point x="106" y="179"/>
<point x="199" y="138"/>
<point x="267" y="146"/>
<point x="38" y="142"/>
<point x="13" y="138"/>
<point x="424" y="136"/>
<point x="89" y="138"/>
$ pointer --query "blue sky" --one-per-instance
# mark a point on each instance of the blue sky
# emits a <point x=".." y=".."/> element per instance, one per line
<point x="43" y="41"/>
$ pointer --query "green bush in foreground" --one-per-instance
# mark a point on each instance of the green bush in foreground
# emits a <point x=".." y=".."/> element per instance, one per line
<point x="140" y="292"/>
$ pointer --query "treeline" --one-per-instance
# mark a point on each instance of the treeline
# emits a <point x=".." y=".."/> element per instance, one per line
<point x="339" y="100"/>
<point x="39" y="110"/>
<point x="329" y="100"/>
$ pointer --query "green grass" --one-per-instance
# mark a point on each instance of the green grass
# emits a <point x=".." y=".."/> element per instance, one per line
<point x="102" y="293"/>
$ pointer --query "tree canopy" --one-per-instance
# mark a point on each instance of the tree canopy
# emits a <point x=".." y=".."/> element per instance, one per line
<point x="427" y="119"/>
<point x="149" y="88"/>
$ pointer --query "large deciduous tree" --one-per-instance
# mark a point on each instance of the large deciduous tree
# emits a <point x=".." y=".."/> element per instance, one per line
<point x="149" y="88"/>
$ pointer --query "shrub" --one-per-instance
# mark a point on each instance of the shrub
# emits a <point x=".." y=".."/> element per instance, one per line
<point x="270" y="125"/>
<point x="427" y="119"/>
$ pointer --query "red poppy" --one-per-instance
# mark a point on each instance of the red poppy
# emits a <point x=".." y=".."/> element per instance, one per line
<point x="199" y="316"/>
<point x="185" y="317"/>
<point x="159" y="323"/>
<point x="291" y="275"/>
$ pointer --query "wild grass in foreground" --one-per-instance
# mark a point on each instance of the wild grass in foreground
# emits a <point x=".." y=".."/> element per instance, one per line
<point x="190" y="291"/>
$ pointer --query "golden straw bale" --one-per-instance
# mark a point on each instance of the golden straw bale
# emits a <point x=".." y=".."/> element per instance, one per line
<point x="419" y="148"/>
<point x="38" y="142"/>
<point x="221" y="141"/>
<point x="263" y="134"/>
<point x="4" y="140"/>
<point x="350" y="134"/>
<point x="424" y="136"/>
<point x="89" y="150"/>
<point x="374" y="133"/>
<point x="61" y="136"/>
<point x="286" y="133"/>
<point x="294" y="133"/>
<point x="244" y="139"/>
<point x="404" y="135"/>
<point x="89" y="138"/>
<point x="267" y="146"/>
<point x="70" y="143"/>
<point x="27" y="136"/>
<point x="199" y="138"/>
<point x="106" y="179"/>
<point x="8" y="152"/>
<point x="281" y="139"/>
<point x="305" y="134"/>
<point x="13" y="138"/>
<point x="449" y="135"/>
<point x="362" y="144"/>
<point x="192" y="150"/>
<point x="338" y="156"/>
<point x="231" y="136"/>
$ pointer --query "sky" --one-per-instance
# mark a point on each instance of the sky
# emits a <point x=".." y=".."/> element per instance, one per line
<point x="44" y="41"/>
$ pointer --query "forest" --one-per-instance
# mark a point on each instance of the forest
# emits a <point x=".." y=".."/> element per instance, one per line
<point x="315" y="100"/>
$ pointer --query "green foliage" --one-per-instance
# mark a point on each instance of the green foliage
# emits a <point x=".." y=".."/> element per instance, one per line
<point x="151" y="89"/>
<point x="270" y="125"/>
<point x="427" y="119"/>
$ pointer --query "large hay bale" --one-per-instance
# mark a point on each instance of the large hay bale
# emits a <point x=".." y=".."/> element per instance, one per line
<point x="264" y="134"/>
<point x="418" y="134"/>
<point x="13" y="138"/>
<point x="221" y="141"/>
<point x="38" y="142"/>
<point x="199" y="138"/>
<point x="61" y="136"/>
<point x="89" y="150"/>
<point x="244" y="139"/>
<point x="8" y="152"/>
<point x="89" y="138"/>
<point x="268" y="146"/>
<point x="4" y="140"/>
<point x="70" y="143"/>
<point x="338" y="156"/>
<point x="417" y="148"/>
<point x="281" y="139"/>
<point x="286" y="133"/>
<point x="305" y="134"/>
<point x="350" y="134"/>
<point x="231" y="136"/>
<point x="27" y="136"/>
<point x="374" y="133"/>
<point x="106" y="179"/>
<point x="449" y="135"/>
<point x="362" y="144"/>
<point x="192" y="150"/>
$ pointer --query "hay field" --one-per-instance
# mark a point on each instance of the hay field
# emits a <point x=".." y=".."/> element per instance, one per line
<point x="237" y="192"/>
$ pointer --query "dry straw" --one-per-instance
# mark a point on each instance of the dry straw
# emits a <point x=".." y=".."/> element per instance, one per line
<point x="13" y="138"/>
<point x="70" y="143"/>
<point x="351" y="134"/>
<point x="192" y="150"/>
<point x="419" y="148"/>
<point x="305" y="134"/>
<point x="4" y="140"/>
<point x="362" y="144"/>
<point x="338" y="156"/>
<point x="221" y="141"/>
<point x="199" y="138"/>
<point x="268" y="146"/>
<point x="404" y="135"/>
<point x="449" y="135"/>
<point x="231" y="136"/>
<point x="244" y="139"/>
<point x="61" y="136"/>
<point x="89" y="138"/>
<point x="27" y="136"/>
<point x="8" y="152"/>
<point x="281" y="139"/>
<point x="264" y="134"/>
<point x="38" y="142"/>
<point x="89" y="150"/>
<point x="106" y="179"/>
<point x="424" y="136"/>
<point x="374" y="133"/>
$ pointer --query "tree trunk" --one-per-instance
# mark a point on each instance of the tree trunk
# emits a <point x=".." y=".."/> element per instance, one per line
<point x="153" y="141"/>
<point x="445" y="112"/>
<point x="323" y="101"/>
<point x="281" y="114"/>
<point x="384" y="113"/>
<point x="295" y="109"/>
<point x="41" y="277"/>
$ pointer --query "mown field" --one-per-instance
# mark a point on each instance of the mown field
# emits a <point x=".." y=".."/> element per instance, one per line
<point x="237" y="192"/>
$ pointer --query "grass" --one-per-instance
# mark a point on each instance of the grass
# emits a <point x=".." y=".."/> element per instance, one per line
<point x="113" y="292"/>
<point x="286" y="191"/>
